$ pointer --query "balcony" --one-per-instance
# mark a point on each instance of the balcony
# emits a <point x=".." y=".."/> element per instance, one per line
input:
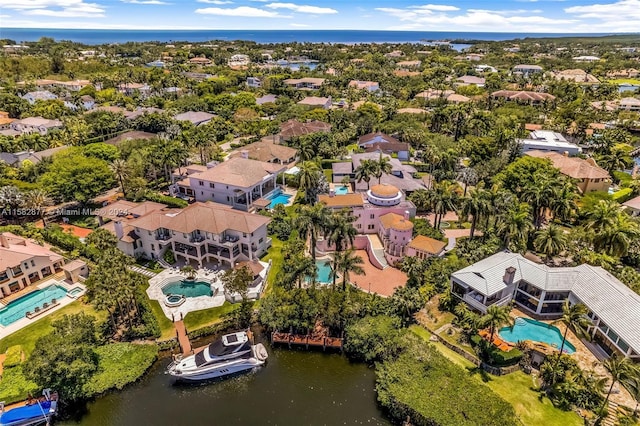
<point x="163" y="237"/>
<point x="197" y="239"/>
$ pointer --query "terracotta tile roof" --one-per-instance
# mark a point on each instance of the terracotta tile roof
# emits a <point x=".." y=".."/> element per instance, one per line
<point x="455" y="98"/>
<point x="16" y="250"/>
<point x="523" y="95"/>
<point x="268" y="151"/>
<point x="428" y="245"/>
<point x="395" y="221"/>
<point x="574" y="167"/>
<point x="209" y="217"/>
<point x="294" y="128"/>
<point x="412" y="111"/>
<point x="255" y="267"/>
<point x="406" y="73"/>
<point x="314" y="100"/>
<point x="376" y="137"/>
<point x="240" y="172"/>
<point x="339" y="201"/>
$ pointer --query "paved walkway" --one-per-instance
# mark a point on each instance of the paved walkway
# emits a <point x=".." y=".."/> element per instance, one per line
<point x="453" y="234"/>
<point x="381" y="282"/>
<point x="183" y="339"/>
<point x="142" y="271"/>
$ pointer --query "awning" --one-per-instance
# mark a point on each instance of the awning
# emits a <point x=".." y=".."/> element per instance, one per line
<point x="293" y="171"/>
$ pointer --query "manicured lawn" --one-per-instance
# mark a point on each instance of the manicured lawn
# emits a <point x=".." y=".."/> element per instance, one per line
<point x="328" y="173"/>
<point x="625" y="80"/>
<point x="167" y="330"/>
<point x="517" y="388"/>
<point x="275" y="255"/>
<point x="205" y="317"/>
<point x="28" y="335"/>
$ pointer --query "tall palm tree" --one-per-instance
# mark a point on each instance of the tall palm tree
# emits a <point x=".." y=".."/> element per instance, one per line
<point x="538" y="194"/>
<point x="618" y="239"/>
<point x="515" y="225"/>
<point x="443" y="198"/>
<point x="120" y="169"/>
<point x="622" y="370"/>
<point x="574" y="316"/>
<point x="348" y="262"/>
<point x="382" y="166"/>
<point x="340" y="231"/>
<point x="307" y="150"/>
<point x="309" y="176"/>
<point x="365" y="171"/>
<point x="311" y="222"/>
<point x="496" y="317"/>
<point x="551" y="240"/>
<point x="602" y="215"/>
<point x="563" y="201"/>
<point x="37" y="200"/>
<point x="476" y="206"/>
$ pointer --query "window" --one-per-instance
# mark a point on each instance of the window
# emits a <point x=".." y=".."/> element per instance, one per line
<point x="359" y="226"/>
<point x="212" y="185"/>
<point x="135" y="245"/>
<point x="153" y="247"/>
<point x="26" y="266"/>
<point x="228" y="199"/>
<point x="201" y="183"/>
<point x="372" y="216"/>
<point x="370" y="227"/>
<point x="260" y="240"/>
<point x="33" y="262"/>
<point x="244" y="235"/>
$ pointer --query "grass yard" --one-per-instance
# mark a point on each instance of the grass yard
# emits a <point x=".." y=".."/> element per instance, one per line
<point x="28" y="335"/>
<point x="167" y="330"/>
<point x="275" y="255"/>
<point x="517" y="388"/>
<point x="206" y="317"/>
<point x="625" y="80"/>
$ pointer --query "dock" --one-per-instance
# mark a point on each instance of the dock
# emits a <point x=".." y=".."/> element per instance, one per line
<point x="307" y="340"/>
<point x="183" y="338"/>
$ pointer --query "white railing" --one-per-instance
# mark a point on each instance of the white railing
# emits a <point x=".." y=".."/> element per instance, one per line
<point x="475" y="303"/>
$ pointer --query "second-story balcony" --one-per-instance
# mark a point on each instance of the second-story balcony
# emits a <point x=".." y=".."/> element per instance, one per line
<point x="196" y="239"/>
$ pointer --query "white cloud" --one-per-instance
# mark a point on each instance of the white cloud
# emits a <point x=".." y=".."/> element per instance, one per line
<point x="218" y="2"/>
<point x="299" y="25"/>
<point x="437" y="7"/>
<point x="242" y="11"/>
<point x="303" y="8"/>
<point x="623" y="9"/>
<point x="145" y="2"/>
<point x="56" y="8"/>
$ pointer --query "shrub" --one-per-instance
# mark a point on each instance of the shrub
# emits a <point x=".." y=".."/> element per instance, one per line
<point x="165" y="199"/>
<point x="14" y="386"/>
<point x="424" y="386"/>
<point x="373" y="338"/>
<point x="622" y="195"/>
<point x="169" y="257"/>
<point x="14" y="357"/>
<point x="494" y="356"/>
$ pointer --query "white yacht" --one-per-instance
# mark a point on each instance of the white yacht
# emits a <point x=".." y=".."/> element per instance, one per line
<point x="231" y="354"/>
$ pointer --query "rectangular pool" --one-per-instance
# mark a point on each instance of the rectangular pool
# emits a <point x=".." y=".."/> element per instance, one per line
<point x="17" y="309"/>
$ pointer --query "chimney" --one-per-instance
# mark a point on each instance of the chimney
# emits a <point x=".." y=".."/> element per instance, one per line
<point x="117" y="226"/>
<point x="4" y="242"/>
<point x="509" y="275"/>
<point x="244" y="154"/>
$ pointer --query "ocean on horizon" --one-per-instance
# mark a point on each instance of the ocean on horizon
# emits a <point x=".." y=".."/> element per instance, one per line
<point x="93" y="37"/>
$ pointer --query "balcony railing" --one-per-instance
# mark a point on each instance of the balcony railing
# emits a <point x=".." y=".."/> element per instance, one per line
<point x="163" y="237"/>
<point x="196" y="239"/>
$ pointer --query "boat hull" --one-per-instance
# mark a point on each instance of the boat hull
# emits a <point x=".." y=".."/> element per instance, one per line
<point x="217" y="371"/>
<point x="29" y="422"/>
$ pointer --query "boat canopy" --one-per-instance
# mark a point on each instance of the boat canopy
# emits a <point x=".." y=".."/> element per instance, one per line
<point x="34" y="411"/>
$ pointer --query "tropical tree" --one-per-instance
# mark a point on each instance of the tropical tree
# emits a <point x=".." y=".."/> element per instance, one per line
<point x="120" y="169"/>
<point x="37" y="200"/>
<point x="312" y="221"/>
<point x="347" y="263"/>
<point x="382" y="166"/>
<point x="574" y="316"/>
<point x="602" y="215"/>
<point x="563" y="201"/>
<point x="496" y="317"/>
<point x="405" y="302"/>
<point x="622" y="370"/>
<point x="551" y="240"/>
<point x="476" y="206"/>
<point x="538" y="194"/>
<point x="514" y="225"/>
<point x="443" y="198"/>
<point x="365" y="171"/>
<point x="309" y="180"/>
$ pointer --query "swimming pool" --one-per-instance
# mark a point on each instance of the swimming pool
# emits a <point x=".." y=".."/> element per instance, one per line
<point x="341" y="190"/>
<point x="323" y="272"/>
<point x="278" y="197"/>
<point x="528" y="329"/>
<point x="188" y="288"/>
<point x="17" y="309"/>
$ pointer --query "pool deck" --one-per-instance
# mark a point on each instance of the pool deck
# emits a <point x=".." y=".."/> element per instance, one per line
<point x="23" y="322"/>
<point x="154" y="291"/>
<point x="585" y="358"/>
<point x="381" y="282"/>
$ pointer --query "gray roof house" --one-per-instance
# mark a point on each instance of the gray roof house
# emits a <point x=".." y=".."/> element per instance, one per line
<point x="16" y="159"/>
<point x="401" y="175"/>
<point x="196" y="117"/>
<point x="614" y="308"/>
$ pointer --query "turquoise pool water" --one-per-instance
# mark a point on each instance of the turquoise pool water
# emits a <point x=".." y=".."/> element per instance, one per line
<point x="278" y="198"/>
<point x="323" y="272"/>
<point x="528" y="329"/>
<point x="17" y="309"/>
<point x="188" y="288"/>
<point x="341" y="190"/>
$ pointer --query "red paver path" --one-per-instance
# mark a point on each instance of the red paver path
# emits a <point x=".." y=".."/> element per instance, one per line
<point x="183" y="339"/>
<point x="381" y="282"/>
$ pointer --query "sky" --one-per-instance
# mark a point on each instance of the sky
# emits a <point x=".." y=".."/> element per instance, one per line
<point x="544" y="16"/>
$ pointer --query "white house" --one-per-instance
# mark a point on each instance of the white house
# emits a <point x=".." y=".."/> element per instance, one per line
<point x="614" y="308"/>
<point x="547" y="140"/>
<point x="254" y="82"/>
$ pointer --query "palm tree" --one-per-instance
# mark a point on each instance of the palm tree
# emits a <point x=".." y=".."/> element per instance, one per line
<point x="443" y="198"/>
<point x="311" y="222"/>
<point x="496" y="317"/>
<point x="382" y="166"/>
<point x="634" y="389"/>
<point x="618" y="239"/>
<point x="307" y="150"/>
<point x="340" y="231"/>
<point x="308" y="179"/>
<point x="539" y="194"/>
<point x="348" y="262"/>
<point x="602" y="215"/>
<point x="622" y="370"/>
<point x="475" y="206"/>
<point x="514" y="224"/>
<point x="551" y="240"/>
<point x="37" y="200"/>
<point x="120" y="169"/>
<point x="365" y="171"/>
<point x="563" y="201"/>
<point x="574" y="316"/>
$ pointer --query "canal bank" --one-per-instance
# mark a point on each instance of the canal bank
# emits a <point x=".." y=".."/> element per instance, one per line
<point x="296" y="387"/>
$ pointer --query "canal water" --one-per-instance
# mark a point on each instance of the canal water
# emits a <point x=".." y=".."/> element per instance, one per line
<point x="295" y="388"/>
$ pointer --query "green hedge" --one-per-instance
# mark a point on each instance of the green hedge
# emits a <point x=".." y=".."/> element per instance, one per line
<point x="425" y="387"/>
<point x="165" y="199"/>
<point x="622" y="195"/>
<point x="15" y="387"/>
<point x="14" y="357"/>
<point x="496" y="357"/>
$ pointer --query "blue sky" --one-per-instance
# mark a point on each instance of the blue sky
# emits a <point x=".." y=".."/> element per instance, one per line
<point x="562" y="16"/>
